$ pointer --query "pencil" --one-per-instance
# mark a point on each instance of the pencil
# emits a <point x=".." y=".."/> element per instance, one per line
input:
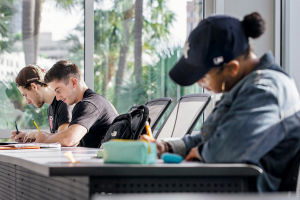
<point x="36" y="126"/>
<point x="149" y="132"/>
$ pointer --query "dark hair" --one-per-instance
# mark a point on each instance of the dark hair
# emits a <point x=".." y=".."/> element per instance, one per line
<point x="63" y="70"/>
<point x="254" y="25"/>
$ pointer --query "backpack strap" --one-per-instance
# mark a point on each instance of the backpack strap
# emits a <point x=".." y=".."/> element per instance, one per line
<point x="138" y="128"/>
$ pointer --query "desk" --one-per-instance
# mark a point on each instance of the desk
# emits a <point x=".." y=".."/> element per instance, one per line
<point x="47" y="173"/>
<point x="197" y="196"/>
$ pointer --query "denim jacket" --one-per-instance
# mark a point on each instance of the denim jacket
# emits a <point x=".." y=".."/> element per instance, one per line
<point x="257" y="122"/>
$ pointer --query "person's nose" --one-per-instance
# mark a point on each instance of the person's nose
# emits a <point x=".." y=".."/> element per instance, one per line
<point x="58" y="97"/>
<point x="201" y="83"/>
<point x="28" y="101"/>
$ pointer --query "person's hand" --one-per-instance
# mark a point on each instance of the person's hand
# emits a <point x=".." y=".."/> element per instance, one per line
<point x="160" y="148"/>
<point x="41" y="137"/>
<point x="30" y="137"/>
<point x="16" y="137"/>
<point x="193" y="155"/>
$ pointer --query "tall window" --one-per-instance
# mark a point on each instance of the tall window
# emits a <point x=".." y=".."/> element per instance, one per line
<point x="35" y="32"/>
<point x="136" y="45"/>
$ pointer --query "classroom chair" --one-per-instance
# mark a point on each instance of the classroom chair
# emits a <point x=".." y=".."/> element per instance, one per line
<point x="184" y="116"/>
<point x="157" y="108"/>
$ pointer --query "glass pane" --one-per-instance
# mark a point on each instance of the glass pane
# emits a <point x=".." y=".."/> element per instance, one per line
<point x="35" y="32"/>
<point x="136" y="45"/>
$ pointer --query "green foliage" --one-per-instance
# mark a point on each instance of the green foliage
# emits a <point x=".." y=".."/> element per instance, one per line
<point x="6" y="12"/>
<point x="157" y="28"/>
<point x="77" y="49"/>
<point x="28" y="112"/>
<point x="156" y="83"/>
<point x="67" y="5"/>
<point x="18" y="37"/>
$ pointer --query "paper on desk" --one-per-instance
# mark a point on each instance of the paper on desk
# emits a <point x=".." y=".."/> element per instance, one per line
<point x="41" y="145"/>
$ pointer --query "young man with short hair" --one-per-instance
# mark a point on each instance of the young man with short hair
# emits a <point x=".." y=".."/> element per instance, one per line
<point x="31" y="84"/>
<point x="92" y="115"/>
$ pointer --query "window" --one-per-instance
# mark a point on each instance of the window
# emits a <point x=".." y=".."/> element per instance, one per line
<point x="55" y="33"/>
<point x="136" y="45"/>
<point x="134" y="50"/>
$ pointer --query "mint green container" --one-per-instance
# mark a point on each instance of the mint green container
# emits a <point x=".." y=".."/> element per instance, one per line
<point x="129" y="151"/>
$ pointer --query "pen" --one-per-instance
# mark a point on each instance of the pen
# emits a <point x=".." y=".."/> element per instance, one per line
<point x="17" y="130"/>
<point x="36" y="126"/>
<point x="149" y="132"/>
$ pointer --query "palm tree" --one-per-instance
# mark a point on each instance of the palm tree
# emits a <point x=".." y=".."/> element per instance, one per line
<point x="30" y="28"/>
<point x="154" y="31"/>
<point x="138" y="26"/>
<point x="128" y="15"/>
<point x="114" y="48"/>
<point x="107" y="37"/>
<point x="154" y="76"/>
<point x="31" y="25"/>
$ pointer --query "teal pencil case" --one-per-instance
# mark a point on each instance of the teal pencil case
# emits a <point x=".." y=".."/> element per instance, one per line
<point x="129" y="151"/>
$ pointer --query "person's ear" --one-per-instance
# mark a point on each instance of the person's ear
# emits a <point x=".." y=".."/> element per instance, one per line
<point x="34" y="86"/>
<point x="233" y="68"/>
<point x="74" y="82"/>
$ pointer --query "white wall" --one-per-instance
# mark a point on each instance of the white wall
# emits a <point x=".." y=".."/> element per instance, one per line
<point x="291" y="39"/>
<point x="240" y="8"/>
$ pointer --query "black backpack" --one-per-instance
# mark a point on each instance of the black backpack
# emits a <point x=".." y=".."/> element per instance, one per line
<point x="128" y="126"/>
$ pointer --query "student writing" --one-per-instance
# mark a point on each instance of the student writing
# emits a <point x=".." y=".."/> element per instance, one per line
<point x="257" y="119"/>
<point x="92" y="114"/>
<point x="31" y="84"/>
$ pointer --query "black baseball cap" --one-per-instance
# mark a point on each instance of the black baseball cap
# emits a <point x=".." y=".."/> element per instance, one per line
<point x="214" y="42"/>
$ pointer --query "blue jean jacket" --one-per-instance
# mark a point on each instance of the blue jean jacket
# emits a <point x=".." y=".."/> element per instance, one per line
<point x="257" y="122"/>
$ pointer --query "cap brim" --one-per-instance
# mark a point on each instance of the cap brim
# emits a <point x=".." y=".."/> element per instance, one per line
<point x="186" y="74"/>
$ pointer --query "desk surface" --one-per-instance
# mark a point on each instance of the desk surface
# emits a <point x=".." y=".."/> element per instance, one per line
<point x="52" y="162"/>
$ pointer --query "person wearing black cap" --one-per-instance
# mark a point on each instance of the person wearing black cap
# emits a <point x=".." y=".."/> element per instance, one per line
<point x="31" y="84"/>
<point x="257" y="119"/>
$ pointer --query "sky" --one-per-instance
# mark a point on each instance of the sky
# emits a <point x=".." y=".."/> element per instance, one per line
<point x="60" y="22"/>
<point x="179" y="27"/>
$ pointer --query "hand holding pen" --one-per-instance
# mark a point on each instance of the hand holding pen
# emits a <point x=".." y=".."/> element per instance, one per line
<point x="149" y="132"/>
<point x="17" y="130"/>
<point x="17" y="136"/>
